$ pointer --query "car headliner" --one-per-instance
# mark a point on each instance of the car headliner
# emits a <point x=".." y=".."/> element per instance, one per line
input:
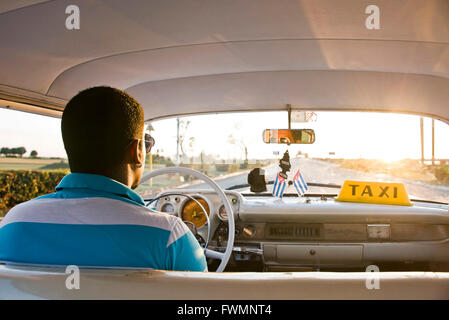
<point x="187" y="57"/>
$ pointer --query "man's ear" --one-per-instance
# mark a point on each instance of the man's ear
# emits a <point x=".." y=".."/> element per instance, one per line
<point x="136" y="154"/>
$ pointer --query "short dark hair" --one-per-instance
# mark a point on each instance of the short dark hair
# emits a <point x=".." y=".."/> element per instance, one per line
<point x="97" y="125"/>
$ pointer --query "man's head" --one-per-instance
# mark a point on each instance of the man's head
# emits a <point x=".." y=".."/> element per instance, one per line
<point x="102" y="129"/>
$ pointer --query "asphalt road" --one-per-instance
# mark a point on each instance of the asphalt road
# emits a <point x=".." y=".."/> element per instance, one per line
<point x="326" y="172"/>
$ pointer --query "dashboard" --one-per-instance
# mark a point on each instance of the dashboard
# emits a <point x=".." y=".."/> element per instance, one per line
<point x="315" y="232"/>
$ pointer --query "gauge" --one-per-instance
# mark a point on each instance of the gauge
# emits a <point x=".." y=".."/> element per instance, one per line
<point x="168" y="208"/>
<point x="192" y="212"/>
<point x="222" y="212"/>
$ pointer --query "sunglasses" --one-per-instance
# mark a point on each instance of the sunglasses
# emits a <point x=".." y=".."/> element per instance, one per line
<point x="149" y="142"/>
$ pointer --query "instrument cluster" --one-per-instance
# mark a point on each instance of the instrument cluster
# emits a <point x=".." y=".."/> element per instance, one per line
<point x="193" y="210"/>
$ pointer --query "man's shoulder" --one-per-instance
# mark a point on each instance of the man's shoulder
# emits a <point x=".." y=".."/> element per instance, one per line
<point x="95" y="211"/>
<point x="19" y="210"/>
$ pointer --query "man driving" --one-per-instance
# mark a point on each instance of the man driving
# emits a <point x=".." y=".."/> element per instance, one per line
<point x="95" y="218"/>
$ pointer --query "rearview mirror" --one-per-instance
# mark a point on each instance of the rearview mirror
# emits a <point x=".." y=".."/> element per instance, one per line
<point x="289" y="136"/>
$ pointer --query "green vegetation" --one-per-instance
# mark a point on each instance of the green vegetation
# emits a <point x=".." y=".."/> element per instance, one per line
<point x="157" y="159"/>
<point x="20" y="151"/>
<point x="18" y="186"/>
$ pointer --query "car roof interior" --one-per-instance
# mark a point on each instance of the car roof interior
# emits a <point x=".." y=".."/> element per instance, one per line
<point x="194" y="57"/>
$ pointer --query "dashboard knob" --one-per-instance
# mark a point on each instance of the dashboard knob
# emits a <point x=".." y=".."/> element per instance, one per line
<point x="249" y="231"/>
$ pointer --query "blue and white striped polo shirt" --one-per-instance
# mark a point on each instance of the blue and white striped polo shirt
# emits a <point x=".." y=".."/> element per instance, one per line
<point x="92" y="220"/>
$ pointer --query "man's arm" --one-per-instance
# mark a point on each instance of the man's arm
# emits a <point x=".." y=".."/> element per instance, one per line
<point x="184" y="251"/>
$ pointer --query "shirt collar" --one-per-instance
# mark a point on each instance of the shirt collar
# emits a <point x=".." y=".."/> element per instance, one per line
<point x="99" y="183"/>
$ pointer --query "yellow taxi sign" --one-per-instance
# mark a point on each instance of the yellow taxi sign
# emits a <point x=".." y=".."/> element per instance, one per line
<point x="374" y="192"/>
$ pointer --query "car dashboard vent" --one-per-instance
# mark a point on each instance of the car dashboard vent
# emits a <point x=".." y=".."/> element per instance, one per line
<point x="293" y="231"/>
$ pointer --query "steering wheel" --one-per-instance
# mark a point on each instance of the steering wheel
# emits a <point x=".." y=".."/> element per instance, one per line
<point x="224" y="257"/>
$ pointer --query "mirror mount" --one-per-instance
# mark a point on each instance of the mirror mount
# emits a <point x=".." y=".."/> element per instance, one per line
<point x="289" y="136"/>
<point x="289" y="110"/>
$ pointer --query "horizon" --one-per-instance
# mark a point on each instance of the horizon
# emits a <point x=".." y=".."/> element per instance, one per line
<point x="42" y="133"/>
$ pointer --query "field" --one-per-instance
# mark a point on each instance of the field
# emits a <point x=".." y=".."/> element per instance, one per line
<point x="405" y="169"/>
<point x="24" y="163"/>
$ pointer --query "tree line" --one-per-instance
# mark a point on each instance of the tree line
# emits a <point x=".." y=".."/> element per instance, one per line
<point x="18" y="151"/>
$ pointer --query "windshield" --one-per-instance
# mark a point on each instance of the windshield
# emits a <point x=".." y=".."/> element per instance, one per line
<point x="349" y="146"/>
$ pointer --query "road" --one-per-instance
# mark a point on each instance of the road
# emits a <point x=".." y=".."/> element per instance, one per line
<point x="325" y="172"/>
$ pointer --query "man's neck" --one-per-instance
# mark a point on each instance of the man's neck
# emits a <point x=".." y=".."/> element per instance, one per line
<point x="120" y="174"/>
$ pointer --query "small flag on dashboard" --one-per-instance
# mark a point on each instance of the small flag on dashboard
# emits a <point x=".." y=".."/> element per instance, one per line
<point x="300" y="184"/>
<point x="279" y="186"/>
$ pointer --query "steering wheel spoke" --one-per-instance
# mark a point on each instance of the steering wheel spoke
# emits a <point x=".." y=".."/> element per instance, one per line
<point x="214" y="254"/>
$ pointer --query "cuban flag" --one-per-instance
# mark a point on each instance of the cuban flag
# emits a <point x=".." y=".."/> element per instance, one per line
<point x="280" y="184"/>
<point x="300" y="184"/>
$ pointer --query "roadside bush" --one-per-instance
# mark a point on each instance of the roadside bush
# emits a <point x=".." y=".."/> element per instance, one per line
<point x="442" y="174"/>
<point x="222" y="167"/>
<point x="17" y="186"/>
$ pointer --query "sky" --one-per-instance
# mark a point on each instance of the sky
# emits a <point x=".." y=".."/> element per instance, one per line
<point x="349" y="134"/>
<point x="34" y="132"/>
